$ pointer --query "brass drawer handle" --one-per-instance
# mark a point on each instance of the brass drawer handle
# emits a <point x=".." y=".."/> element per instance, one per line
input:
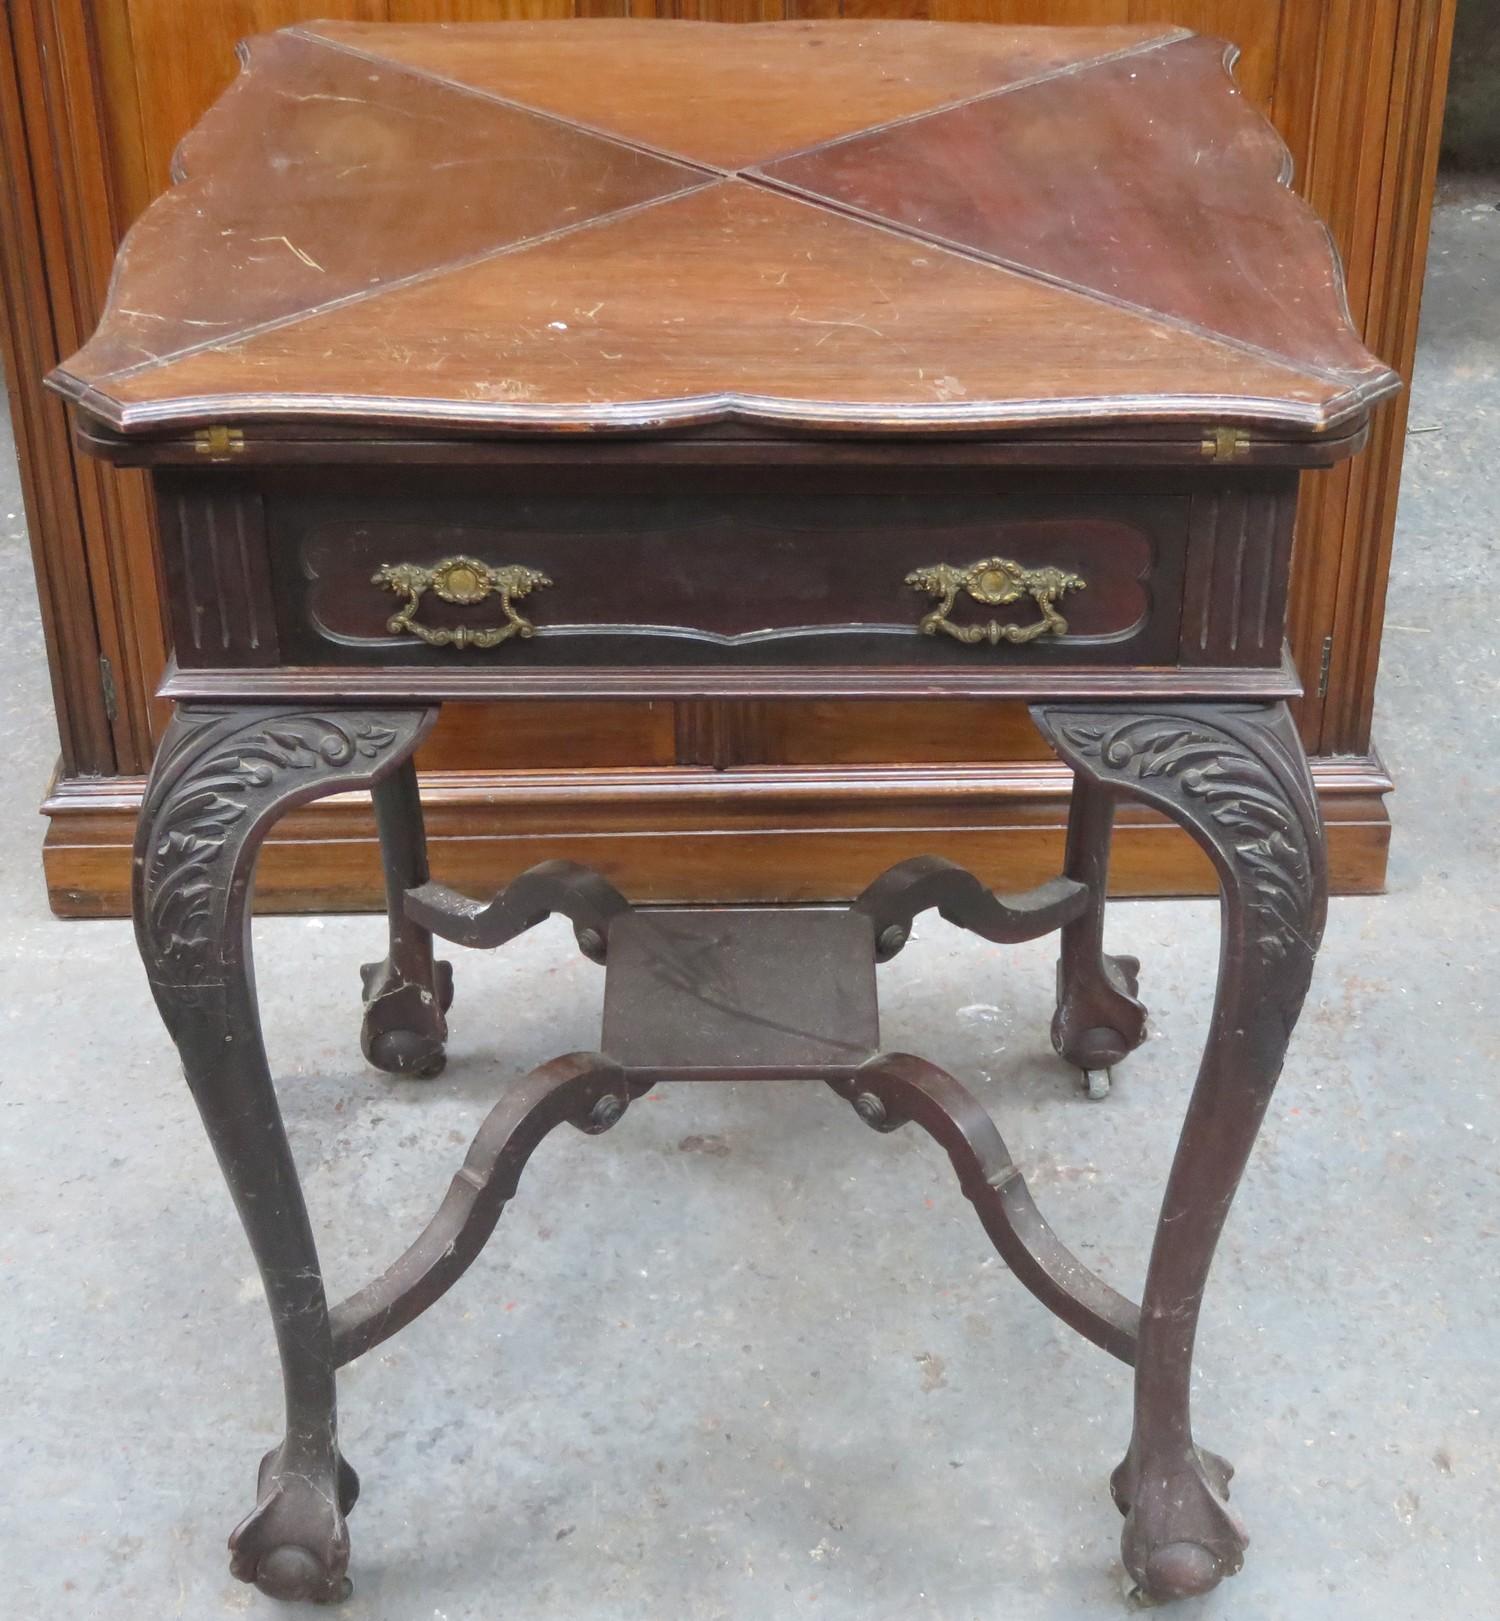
<point x="996" y="582"/>
<point x="464" y="580"/>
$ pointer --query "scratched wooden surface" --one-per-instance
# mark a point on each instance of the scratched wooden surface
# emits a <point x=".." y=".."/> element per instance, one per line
<point x="886" y="226"/>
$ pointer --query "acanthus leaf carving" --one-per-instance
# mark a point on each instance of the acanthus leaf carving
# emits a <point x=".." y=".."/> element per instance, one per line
<point x="1233" y="786"/>
<point x="219" y="772"/>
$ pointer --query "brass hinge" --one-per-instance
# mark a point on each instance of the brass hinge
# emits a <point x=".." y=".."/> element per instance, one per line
<point x="1326" y="666"/>
<point x="219" y="443"/>
<point x="1224" y="444"/>
<point x="107" y="683"/>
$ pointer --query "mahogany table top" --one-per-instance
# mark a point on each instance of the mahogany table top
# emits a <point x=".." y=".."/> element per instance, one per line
<point x="867" y="227"/>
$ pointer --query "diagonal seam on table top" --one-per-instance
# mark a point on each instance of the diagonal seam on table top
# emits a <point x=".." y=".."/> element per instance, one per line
<point x="365" y="295"/>
<point x="1168" y="36"/>
<point x="786" y="195"/>
<point x="1068" y="70"/>
<point x="1334" y="405"/>
<point x="753" y="173"/>
<point x="753" y="176"/>
<point x="305" y="32"/>
<point x="1356" y="385"/>
<point x="964" y="250"/>
<point x="269" y="68"/>
<point x="976" y="256"/>
<point x="750" y="174"/>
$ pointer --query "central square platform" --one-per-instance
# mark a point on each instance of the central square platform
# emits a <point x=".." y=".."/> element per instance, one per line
<point x="750" y="994"/>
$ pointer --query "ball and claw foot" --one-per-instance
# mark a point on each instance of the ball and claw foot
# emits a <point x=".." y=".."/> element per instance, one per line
<point x="1181" y="1538"/>
<point x="404" y="1030"/>
<point x="1080" y="1033"/>
<point x="294" y="1545"/>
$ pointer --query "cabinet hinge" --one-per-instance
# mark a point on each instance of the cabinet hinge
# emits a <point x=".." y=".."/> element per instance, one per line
<point x="1224" y="444"/>
<point x="1326" y="666"/>
<point x="107" y="684"/>
<point x="219" y="443"/>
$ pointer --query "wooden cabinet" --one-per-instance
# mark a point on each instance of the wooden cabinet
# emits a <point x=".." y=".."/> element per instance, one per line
<point x="799" y="799"/>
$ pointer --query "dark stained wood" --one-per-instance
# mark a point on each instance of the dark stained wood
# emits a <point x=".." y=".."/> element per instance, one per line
<point x="584" y="1089"/>
<point x="408" y="992"/>
<point x="729" y="303"/>
<point x="1099" y="1018"/>
<point x="576" y="282"/>
<point x="711" y="573"/>
<point x="895" y="900"/>
<point x="895" y="1089"/>
<point x="790" y="581"/>
<point x="1236" y="778"/>
<point x="1069" y="179"/>
<point x="726" y="994"/>
<point x="697" y="682"/>
<point x="213" y="547"/>
<point x="1355" y="89"/>
<point x="220" y="780"/>
<point x="796" y="602"/>
<point x="762" y="993"/>
<point x="1139" y="445"/>
<point x="695" y="577"/>
<point x="1239" y="557"/>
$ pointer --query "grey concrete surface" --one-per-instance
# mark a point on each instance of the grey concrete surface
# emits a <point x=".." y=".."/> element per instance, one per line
<point x="741" y="1359"/>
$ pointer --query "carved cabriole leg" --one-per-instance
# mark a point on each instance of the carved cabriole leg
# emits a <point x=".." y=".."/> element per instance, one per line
<point x="222" y="777"/>
<point x="407" y="995"/>
<point x="1236" y="778"/>
<point x="1098" y="1019"/>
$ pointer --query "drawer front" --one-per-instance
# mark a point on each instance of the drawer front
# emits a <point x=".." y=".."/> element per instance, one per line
<point x="537" y="580"/>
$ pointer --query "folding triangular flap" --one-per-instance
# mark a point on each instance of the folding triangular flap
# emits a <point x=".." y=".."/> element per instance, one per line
<point x="732" y="300"/>
<point x="358" y="175"/>
<point x="728" y="95"/>
<point x="1147" y="180"/>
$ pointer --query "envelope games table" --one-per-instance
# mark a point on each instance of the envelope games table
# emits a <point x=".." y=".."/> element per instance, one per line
<point x="689" y="362"/>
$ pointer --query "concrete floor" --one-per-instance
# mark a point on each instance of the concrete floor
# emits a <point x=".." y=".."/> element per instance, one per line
<point x="741" y="1358"/>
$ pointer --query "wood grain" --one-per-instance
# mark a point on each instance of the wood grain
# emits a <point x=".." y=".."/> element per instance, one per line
<point x="157" y="69"/>
<point x="408" y="247"/>
<point x="181" y="66"/>
<point x="746" y="98"/>
<point x="359" y="175"/>
<point x="47" y="474"/>
<point x="728" y="303"/>
<point x="1178" y="195"/>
